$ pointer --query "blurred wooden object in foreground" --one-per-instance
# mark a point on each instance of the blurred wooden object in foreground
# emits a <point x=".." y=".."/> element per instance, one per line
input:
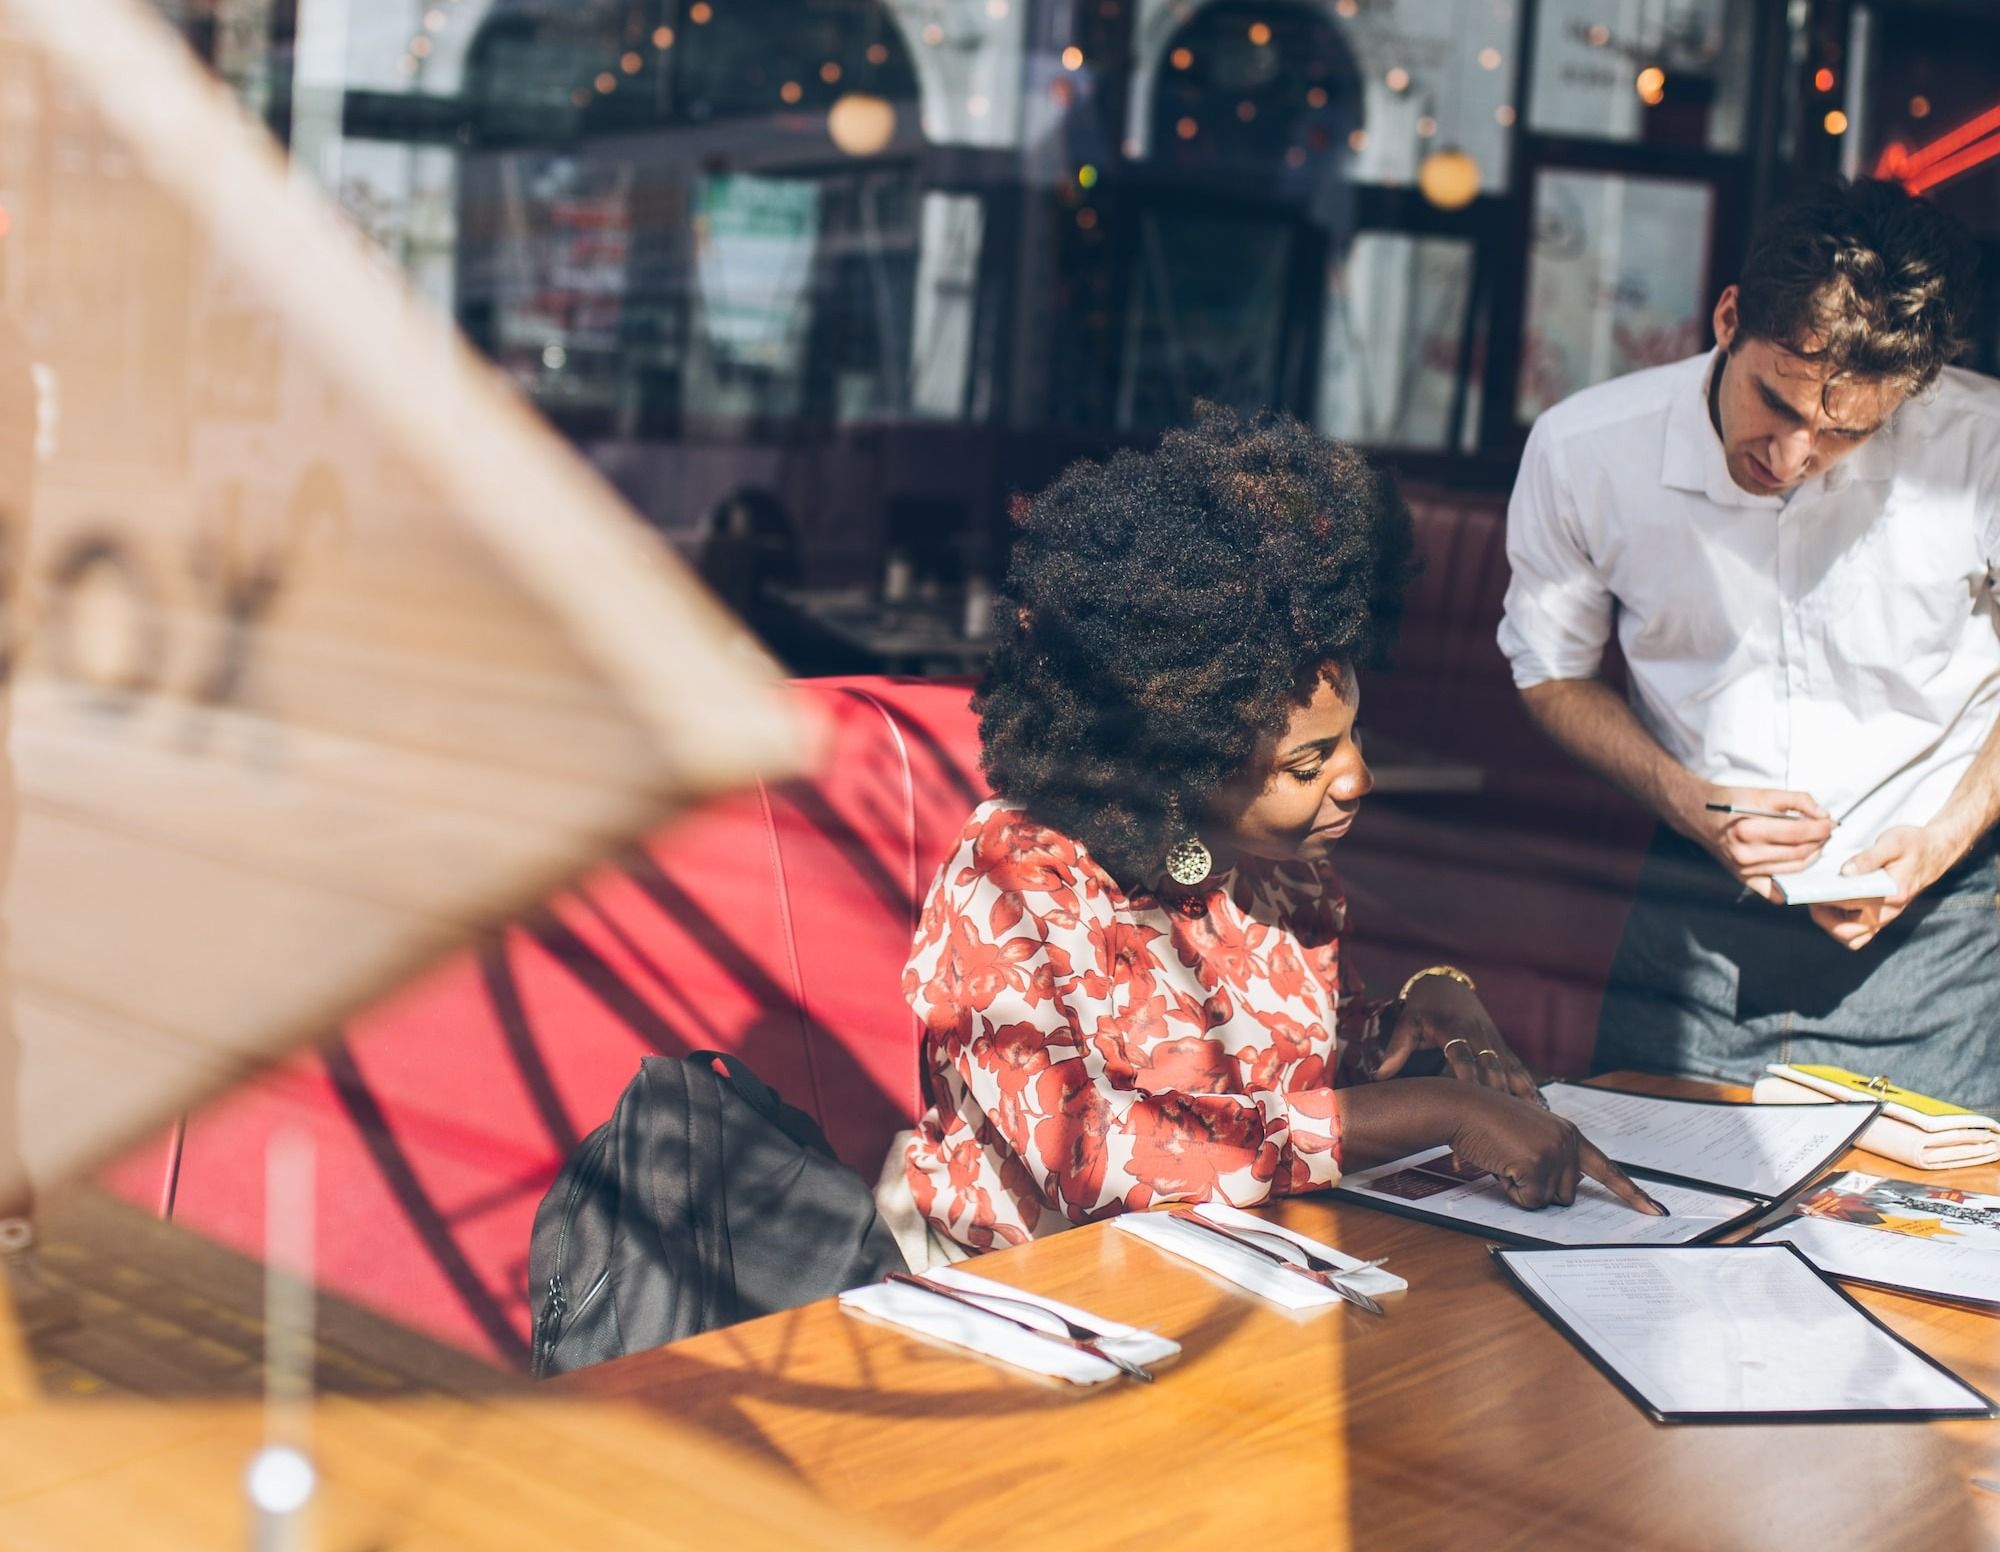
<point x="324" y="651"/>
<point x="136" y="1426"/>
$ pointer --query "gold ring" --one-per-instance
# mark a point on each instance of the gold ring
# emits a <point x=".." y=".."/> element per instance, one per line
<point x="1488" y="1051"/>
<point x="1458" y="1040"/>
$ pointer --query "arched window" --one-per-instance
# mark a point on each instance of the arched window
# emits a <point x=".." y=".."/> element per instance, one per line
<point x="1247" y="155"/>
<point x="597" y="65"/>
<point x="691" y="213"/>
<point x="1255" y="85"/>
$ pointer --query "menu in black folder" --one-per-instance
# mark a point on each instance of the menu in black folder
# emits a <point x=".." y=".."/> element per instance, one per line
<point x="1734" y="1334"/>
<point x="1430" y="1186"/>
<point x="1714" y="1165"/>
<point x="1757" y="1150"/>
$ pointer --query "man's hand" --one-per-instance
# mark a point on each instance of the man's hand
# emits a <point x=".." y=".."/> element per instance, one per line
<point x="1441" y="1014"/>
<point x="1753" y="849"/>
<point x="1914" y="856"/>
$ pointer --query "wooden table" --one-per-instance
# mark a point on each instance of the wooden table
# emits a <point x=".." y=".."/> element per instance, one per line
<point x="1460" y="1420"/>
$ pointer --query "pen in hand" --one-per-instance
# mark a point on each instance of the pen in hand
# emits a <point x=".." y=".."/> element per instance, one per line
<point x="1756" y="813"/>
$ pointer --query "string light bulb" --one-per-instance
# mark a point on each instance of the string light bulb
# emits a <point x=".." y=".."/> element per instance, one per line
<point x="1449" y="179"/>
<point x="861" y="123"/>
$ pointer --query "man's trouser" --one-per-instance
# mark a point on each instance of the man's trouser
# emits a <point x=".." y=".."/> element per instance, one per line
<point x="1711" y="981"/>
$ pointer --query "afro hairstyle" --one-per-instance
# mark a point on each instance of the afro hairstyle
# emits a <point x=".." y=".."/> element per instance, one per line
<point x="1166" y="611"/>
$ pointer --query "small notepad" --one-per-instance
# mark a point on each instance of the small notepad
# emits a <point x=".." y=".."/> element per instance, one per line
<point x="1822" y="883"/>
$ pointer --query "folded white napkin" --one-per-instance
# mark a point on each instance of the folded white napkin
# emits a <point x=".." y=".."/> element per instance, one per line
<point x="992" y="1336"/>
<point x="1920" y="1147"/>
<point x="1246" y="1268"/>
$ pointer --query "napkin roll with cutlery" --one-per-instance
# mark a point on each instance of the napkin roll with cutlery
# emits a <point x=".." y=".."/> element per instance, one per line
<point x="998" y="1334"/>
<point x="1245" y="1267"/>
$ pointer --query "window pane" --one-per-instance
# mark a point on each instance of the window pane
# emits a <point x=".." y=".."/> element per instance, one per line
<point x="1395" y="322"/>
<point x="1666" y="72"/>
<point x="1349" y="91"/>
<point x="1207" y="317"/>
<point x="1439" y="76"/>
<point x="1617" y="280"/>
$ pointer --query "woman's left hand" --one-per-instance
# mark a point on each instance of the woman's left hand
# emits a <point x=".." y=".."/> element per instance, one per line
<point x="1443" y="1015"/>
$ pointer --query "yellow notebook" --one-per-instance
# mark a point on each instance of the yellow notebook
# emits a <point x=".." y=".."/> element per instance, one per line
<point x="1874" y="1088"/>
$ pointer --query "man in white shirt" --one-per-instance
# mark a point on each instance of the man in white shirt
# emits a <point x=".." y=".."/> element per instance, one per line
<point x="1797" y="540"/>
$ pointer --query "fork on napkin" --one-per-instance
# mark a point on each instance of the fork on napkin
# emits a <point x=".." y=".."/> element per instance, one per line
<point x="998" y="1333"/>
<point x="1246" y="1268"/>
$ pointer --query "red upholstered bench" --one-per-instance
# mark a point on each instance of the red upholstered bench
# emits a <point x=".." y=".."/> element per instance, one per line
<point x="773" y="924"/>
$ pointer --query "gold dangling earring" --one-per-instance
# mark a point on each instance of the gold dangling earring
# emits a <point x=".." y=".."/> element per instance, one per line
<point x="1189" y="862"/>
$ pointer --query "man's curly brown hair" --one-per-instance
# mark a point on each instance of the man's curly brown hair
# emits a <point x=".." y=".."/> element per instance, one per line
<point x="1864" y="277"/>
<point x="1165" y="611"/>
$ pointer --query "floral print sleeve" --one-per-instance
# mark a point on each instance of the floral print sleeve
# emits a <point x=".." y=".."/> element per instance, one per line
<point x="1086" y="1053"/>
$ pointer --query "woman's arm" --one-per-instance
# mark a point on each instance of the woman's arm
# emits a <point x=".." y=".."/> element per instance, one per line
<point x="1445" y="1015"/>
<point x="1095" y="1144"/>
<point x="1538" y="1154"/>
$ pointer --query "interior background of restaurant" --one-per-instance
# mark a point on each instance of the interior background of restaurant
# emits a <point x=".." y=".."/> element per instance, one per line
<point x="814" y="371"/>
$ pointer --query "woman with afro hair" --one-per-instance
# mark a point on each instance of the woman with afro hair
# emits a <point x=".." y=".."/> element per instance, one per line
<point x="1129" y="971"/>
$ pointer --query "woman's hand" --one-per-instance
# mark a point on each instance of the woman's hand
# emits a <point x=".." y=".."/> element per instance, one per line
<point x="1442" y="1014"/>
<point x="1537" y="1154"/>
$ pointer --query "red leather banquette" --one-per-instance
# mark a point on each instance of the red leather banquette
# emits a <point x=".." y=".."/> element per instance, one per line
<point x="773" y="924"/>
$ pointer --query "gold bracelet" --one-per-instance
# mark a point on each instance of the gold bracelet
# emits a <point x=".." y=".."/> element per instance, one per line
<point x="1453" y="971"/>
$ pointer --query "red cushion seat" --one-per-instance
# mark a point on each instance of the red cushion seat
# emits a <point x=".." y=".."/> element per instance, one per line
<point x="773" y="924"/>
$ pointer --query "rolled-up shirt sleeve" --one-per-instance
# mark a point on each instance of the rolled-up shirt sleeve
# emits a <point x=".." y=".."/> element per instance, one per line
<point x="1558" y="611"/>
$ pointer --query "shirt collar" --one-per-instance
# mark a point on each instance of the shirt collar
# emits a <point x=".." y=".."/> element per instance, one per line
<point x="1694" y="457"/>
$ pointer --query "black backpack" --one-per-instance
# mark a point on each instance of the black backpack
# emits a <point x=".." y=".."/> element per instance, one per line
<point x="704" y="1200"/>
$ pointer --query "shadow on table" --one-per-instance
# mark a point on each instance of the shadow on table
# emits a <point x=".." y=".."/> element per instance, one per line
<point x="120" y="1304"/>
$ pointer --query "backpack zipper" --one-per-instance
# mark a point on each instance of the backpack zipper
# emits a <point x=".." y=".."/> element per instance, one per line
<point x="556" y="1308"/>
<point x="549" y="1324"/>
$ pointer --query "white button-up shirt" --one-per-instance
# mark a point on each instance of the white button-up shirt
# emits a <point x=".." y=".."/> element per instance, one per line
<point x="1843" y="642"/>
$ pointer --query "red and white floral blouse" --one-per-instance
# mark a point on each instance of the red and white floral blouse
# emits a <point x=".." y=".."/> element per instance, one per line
<point x="1087" y="1052"/>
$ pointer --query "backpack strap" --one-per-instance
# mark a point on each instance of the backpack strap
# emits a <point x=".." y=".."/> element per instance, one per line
<point x="708" y="1204"/>
<point x="758" y="1094"/>
<point x="795" y="1123"/>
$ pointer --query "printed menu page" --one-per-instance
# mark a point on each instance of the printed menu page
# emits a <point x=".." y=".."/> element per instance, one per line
<point x="1716" y="1331"/>
<point x="1432" y="1185"/>
<point x="1762" y="1150"/>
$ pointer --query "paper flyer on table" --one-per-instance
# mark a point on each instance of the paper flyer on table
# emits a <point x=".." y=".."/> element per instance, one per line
<point x="1914" y="1236"/>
